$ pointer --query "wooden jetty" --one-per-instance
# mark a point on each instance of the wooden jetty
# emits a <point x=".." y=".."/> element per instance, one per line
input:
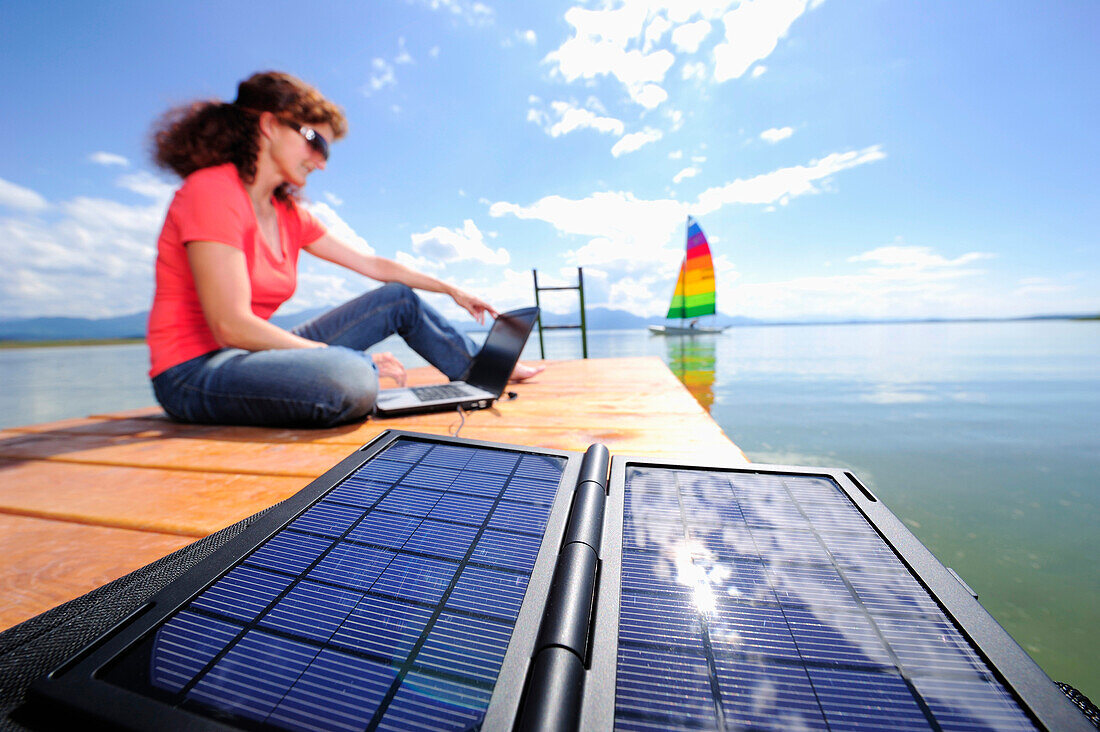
<point x="84" y="501"/>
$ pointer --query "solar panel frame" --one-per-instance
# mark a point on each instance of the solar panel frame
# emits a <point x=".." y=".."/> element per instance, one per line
<point x="80" y="683"/>
<point x="1029" y="686"/>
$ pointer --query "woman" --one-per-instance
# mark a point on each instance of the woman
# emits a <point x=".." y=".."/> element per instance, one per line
<point x="227" y="259"/>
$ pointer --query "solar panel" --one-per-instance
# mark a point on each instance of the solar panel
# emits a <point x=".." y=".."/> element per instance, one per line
<point x="759" y="620"/>
<point x="436" y="583"/>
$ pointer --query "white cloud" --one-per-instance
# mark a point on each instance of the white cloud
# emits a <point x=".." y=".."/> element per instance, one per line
<point x="753" y="30"/>
<point x="474" y="13"/>
<point x="899" y="257"/>
<point x="758" y="71"/>
<point x="381" y="76"/>
<point x="334" y="199"/>
<point x="106" y="158"/>
<point x="571" y="118"/>
<point x="655" y="30"/>
<point x="635" y="140"/>
<point x="146" y="184"/>
<point x="599" y="48"/>
<point x="90" y="257"/>
<point x="775" y="134"/>
<point x="453" y="245"/>
<point x="649" y="96"/>
<point x="403" y="56"/>
<point x="18" y="197"/>
<point x="689" y="172"/>
<point x="687" y="38"/>
<point x="781" y="185"/>
<point x="909" y="281"/>
<point x="696" y="70"/>
<point x="338" y="227"/>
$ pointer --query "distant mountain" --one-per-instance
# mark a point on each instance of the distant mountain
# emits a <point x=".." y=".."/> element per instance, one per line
<point x="48" y="329"/>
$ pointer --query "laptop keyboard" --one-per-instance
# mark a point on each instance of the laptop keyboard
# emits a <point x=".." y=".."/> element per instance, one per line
<point x="444" y="391"/>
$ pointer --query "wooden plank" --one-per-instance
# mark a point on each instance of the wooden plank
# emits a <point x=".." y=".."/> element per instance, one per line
<point x="186" y="503"/>
<point x="45" y="563"/>
<point x="100" y="496"/>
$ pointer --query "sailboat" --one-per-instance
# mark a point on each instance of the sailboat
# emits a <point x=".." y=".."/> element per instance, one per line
<point x="694" y="293"/>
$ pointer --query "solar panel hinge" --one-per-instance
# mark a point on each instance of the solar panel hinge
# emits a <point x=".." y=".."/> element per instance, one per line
<point x="555" y="685"/>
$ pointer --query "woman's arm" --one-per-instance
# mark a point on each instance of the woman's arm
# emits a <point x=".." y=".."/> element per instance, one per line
<point x="332" y="249"/>
<point x="225" y="293"/>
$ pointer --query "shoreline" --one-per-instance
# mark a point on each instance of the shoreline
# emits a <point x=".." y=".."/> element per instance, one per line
<point x="61" y="342"/>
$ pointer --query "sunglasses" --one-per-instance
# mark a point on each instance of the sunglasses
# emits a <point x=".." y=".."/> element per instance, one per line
<point x="314" y="138"/>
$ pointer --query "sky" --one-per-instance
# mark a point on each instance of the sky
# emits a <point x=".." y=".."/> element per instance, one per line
<point x="846" y="159"/>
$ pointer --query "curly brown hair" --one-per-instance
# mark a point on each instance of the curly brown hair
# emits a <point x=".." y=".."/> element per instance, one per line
<point x="205" y="133"/>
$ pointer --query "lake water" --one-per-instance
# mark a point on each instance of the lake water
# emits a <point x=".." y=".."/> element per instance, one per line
<point x="984" y="438"/>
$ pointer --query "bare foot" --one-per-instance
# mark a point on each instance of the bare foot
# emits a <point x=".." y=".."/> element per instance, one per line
<point x="389" y="366"/>
<point x="523" y="372"/>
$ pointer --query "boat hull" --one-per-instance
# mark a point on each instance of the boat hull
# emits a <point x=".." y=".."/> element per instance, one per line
<point x="677" y="330"/>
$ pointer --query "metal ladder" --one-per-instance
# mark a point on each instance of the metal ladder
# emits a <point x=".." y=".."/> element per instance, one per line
<point x="579" y="287"/>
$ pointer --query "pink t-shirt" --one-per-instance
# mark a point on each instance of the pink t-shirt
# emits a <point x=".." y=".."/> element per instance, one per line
<point x="213" y="205"/>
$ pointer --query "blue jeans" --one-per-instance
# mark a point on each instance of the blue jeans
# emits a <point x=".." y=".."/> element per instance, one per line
<point x="312" y="387"/>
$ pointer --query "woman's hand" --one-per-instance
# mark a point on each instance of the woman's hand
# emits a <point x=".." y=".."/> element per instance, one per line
<point x="389" y="366"/>
<point x="474" y="305"/>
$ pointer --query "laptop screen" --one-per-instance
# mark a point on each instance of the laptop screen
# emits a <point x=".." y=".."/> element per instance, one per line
<point x="493" y="364"/>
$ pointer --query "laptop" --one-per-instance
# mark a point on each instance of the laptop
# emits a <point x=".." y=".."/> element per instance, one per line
<point x="484" y="380"/>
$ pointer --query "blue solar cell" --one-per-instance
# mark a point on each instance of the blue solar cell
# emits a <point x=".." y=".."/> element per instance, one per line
<point x="184" y="645"/>
<point x="357" y="492"/>
<point x="390" y="530"/>
<point x="327" y="519"/>
<point x="254" y="675"/>
<point x="531" y="491"/>
<point x="470" y="647"/>
<point x="810" y="586"/>
<point x="242" y="593"/>
<point x="859" y="700"/>
<point x="661" y="621"/>
<point x="450" y="456"/>
<point x="416" y="578"/>
<point x="928" y="643"/>
<point x="828" y="636"/>
<point x="479" y="484"/>
<point x="311" y="611"/>
<point x="352" y="565"/>
<point x="767" y="696"/>
<point x="409" y="501"/>
<point x="446" y="540"/>
<point x="812" y="489"/>
<point x="289" y="552"/>
<point x="650" y="572"/>
<point x="522" y="517"/>
<point x="862" y="551"/>
<point x="462" y="508"/>
<point x="789" y="545"/>
<point x="666" y="687"/>
<point x="407" y="450"/>
<point x="426" y="703"/>
<point x="540" y="467"/>
<point x="430" y="476"/>
<point x="337" y="692"/>
<point x="759" y="630"/>
<point x="507" y="550"/>
<point x="971" y="705"/>
<point x="493" y="461"/>
<point x="892" y="592"/>
<point x="382" y="627"/>
<point x="489" y="592"/>
<point x="381" y="470"/>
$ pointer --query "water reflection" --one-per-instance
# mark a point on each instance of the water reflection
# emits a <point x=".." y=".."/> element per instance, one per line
<point x="777" y="589"/>
<point x="692" y="359"/>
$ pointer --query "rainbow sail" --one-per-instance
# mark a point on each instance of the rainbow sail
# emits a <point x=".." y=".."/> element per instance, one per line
<point x="694" y="293"/>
